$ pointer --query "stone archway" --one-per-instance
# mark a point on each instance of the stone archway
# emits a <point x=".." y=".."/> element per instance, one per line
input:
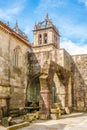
<point x="46" y="83"/>
<point x="33" y="91"/>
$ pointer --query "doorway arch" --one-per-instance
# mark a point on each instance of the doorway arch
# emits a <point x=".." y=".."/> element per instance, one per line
<point x="33" y="91"/>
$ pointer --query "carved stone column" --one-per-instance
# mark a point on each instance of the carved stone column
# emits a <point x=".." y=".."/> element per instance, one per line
<point x="45" y="97"/>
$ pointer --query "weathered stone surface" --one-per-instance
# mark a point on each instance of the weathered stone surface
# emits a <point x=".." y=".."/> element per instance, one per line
<point x="80" y="84"/>
<point x="45" y="74"/>
<point x="13" y="79"/>
<point x="60" y="73"/>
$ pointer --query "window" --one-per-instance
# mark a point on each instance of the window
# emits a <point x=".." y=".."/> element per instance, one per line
<point x="40" y="39"/>
<point x="45" y="38"/>
<point x="17" y="57"/>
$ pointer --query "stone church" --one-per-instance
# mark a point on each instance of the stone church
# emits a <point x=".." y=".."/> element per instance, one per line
<point x="42" y="72"/>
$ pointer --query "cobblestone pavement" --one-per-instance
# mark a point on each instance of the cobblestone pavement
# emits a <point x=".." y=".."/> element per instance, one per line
<point x="76" y="121"/>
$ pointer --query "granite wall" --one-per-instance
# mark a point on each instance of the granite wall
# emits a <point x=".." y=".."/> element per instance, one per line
<point x="13" y="79"/>
<point x="80" y="82"/>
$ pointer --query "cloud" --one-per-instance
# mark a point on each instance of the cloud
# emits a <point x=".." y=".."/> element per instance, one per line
<point x="11" y="10"/>
<point x="28" y="29"/>
<point x="77" y="31"/>
<point x="48" y="5"/>
<point x="83" y="1"/>
<point x="73" y="48"/>
<point x="71" y="28"/>
<point x="9" y="13"/>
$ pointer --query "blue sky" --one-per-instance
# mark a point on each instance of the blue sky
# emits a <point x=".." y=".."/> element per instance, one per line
<point x="69" y="16"/>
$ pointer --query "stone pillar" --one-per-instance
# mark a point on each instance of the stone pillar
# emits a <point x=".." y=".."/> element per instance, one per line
<point x="45" y="104"/>
<point x="45" y="98"/>
<point x="70" y="93"/>
<point x="68" y="99"/>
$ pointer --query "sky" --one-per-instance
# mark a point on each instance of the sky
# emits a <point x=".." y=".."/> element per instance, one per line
<point x="69" y="16"/>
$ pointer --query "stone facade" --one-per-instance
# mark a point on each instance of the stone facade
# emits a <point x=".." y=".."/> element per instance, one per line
<point x="13" y="68"/>
<point x="62" y="76"/>
<point x="42" y="73"/>
<point x="80" y="82"/>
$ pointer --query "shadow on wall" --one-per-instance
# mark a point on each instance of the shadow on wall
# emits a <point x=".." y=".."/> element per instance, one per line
<point x="79" y="88"/>
<point x="33" y="83"/>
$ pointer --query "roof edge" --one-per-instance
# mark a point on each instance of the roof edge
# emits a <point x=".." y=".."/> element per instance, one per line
<point x="12" y="32"/>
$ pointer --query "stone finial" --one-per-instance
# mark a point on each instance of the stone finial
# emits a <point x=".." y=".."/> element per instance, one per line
<point x="47" y="17"/>
<point x="16" y="27"/>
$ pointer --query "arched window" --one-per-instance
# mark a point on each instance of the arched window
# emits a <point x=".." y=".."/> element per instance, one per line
<point x="17" y="57"/>
<point x="40" y="39"/>
<point x="45" y="38"/>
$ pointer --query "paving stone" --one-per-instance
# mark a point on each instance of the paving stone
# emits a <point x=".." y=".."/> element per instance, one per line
<point x="75" y="121"/>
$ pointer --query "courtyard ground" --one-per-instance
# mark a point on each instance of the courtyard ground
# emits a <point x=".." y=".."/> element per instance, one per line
<point x="75" y="121"/>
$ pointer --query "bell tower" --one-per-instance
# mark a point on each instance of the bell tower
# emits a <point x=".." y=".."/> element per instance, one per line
<point x="45" y="33"/>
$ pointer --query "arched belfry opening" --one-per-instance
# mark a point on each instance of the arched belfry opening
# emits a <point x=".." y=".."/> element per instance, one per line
<point x="40" y="39"/>
<point x="45" y="38"/>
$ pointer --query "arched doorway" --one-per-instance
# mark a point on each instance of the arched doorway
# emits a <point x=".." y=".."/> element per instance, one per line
<point x="33" y="92"/>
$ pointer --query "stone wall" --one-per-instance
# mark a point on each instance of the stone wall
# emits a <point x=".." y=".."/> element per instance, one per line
<point x="49" y="52"/>
<point x="13" y="79"/>
<point x="4" y="67"/>
<point x="80" y="82"/>
<point x="18" y="75"/>
<point x="76" y="89"/>
<point x="54" y="67"/>
<point x="41" y="59"/>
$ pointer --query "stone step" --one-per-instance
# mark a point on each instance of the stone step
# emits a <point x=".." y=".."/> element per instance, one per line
<point x="17" y="126"/>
